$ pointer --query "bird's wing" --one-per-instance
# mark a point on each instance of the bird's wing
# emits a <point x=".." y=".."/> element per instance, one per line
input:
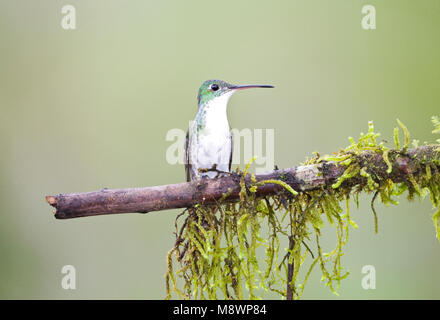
<point x="187" y="165"/>
<point x="232" y="150"/>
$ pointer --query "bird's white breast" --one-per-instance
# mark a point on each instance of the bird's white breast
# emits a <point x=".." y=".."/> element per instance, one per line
<point x="214" y="140"/>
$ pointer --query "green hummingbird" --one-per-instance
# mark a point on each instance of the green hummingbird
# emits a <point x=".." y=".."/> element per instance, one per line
<point x="208" y="146"/>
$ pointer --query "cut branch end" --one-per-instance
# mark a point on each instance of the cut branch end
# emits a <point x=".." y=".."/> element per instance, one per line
<point x="52" y="200"/>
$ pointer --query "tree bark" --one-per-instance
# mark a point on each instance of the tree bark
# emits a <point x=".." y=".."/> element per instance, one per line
<point x="209" y="191"/>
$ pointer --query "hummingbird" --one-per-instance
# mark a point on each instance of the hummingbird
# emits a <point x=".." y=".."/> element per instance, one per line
<point x="208" y="145"/>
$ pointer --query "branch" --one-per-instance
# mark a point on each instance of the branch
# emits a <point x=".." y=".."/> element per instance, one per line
<point x="209" y="191"/>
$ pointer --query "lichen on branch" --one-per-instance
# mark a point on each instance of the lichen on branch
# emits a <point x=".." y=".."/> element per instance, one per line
<point x="234" y="250"/>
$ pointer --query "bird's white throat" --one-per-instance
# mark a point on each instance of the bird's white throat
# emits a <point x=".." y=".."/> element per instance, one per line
<point x="216" y="118"/>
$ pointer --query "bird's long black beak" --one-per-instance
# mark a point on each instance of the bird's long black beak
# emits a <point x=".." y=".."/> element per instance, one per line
<point x="249" y="86"/>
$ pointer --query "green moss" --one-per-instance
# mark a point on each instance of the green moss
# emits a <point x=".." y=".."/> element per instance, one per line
<point x="407" y="136"/>
<point x="222" y="252"/>
<point x="436" y="122"/>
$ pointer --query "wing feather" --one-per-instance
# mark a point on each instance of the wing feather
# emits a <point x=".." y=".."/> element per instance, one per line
<point x="187" y="164"/>
<point x="232" y="150"/>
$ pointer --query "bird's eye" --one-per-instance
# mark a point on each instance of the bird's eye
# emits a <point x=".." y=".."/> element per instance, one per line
<point x="214" y="87"/>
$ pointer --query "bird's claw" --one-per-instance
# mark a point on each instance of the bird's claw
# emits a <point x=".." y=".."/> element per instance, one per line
<point x="214" y="169"/>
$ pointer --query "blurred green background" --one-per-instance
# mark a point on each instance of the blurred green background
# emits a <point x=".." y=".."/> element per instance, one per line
<point x="90" y="108"/>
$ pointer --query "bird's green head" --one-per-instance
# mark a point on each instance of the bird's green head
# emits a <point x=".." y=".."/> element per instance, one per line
<point x="211" y="89"/>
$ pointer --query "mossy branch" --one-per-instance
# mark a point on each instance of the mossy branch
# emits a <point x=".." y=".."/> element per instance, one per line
<point x="222" y="260"/>
<point x="324" y="174"/>
<point x="231" y="218"/>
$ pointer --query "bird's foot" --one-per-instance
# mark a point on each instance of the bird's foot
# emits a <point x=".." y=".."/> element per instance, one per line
<point x="204" y="170"/>
<point x="220" y="173"/>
